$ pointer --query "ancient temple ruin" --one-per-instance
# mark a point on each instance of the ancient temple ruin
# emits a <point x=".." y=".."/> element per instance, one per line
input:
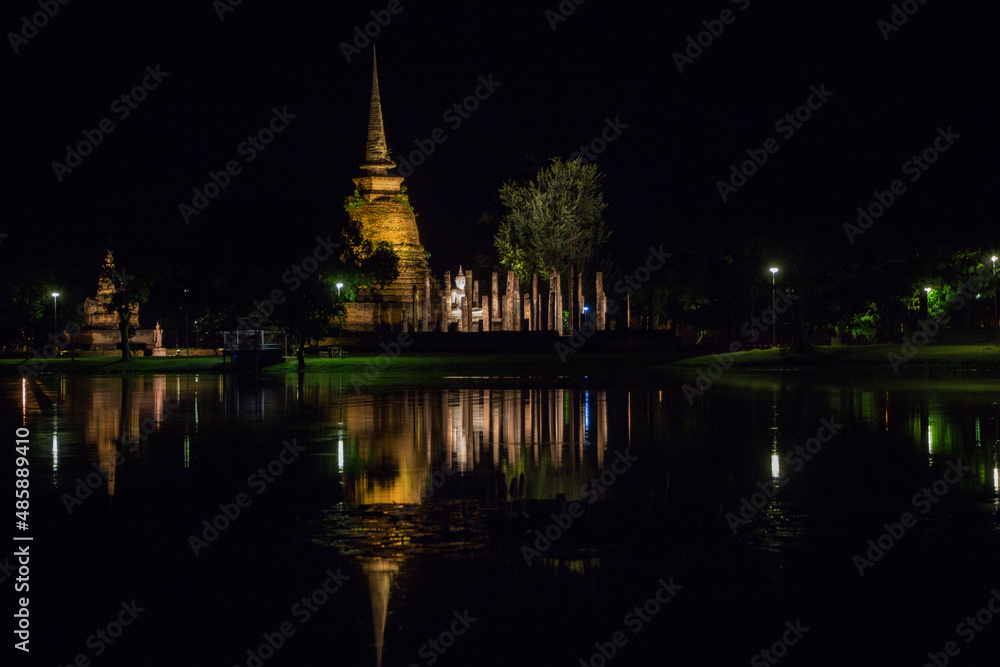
<point x="100" y="330"/>
<point x="415" y="302"/>
<point x="383" y="210"/>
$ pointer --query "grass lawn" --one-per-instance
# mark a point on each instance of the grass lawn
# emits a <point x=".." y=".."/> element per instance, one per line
<point x="864" y="358"/>
<point x="856" y="359"/>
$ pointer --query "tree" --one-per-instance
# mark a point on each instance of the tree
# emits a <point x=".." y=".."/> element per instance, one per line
<point x="311" y="311"/>
<point x="555" y="221"/>
<point x="127" y="292"/>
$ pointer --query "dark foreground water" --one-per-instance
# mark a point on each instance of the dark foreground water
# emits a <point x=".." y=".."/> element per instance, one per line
<point x="191" y="520"/>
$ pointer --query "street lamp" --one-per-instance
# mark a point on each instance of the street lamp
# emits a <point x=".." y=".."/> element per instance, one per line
<point x="55" y="319"/>
<point x="340" y="327"/>
<point x="583" y="316"/>
<point x="187" y="350"/>
<point x="774" y="310"/>
<point x="996" y="313"/>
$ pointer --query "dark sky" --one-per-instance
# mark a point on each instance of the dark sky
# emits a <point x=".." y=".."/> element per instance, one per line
<point x="557" y="88"/>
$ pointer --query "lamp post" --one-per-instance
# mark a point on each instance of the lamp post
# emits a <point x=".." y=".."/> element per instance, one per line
<point x="583" y="316"/>
<point x="187" y="351"/>
<point x="774" y="272"/>
<point x="996" y="313"/>
<point x="340" y="327"/>
<point x="55" y="319"/>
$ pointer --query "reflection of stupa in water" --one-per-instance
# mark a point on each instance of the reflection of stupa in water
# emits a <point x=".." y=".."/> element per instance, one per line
<point x="379" y="572"/>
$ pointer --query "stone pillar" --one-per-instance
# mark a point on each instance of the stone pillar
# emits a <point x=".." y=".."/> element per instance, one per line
<point x="508" y="303"/>
<point x="468" y="300"/>
<point x="535" y="309"/>
<point x="557" y="307"/>
<point x="601" y="304"/>
<point x="475" y="289"/>
<point x="404" y="325"/>
<point x="516" y="300"/>
<point x="528" y="311"/>
<point x="495" y="301"/>
<point x="425" y="316"/>
<point x="570" y="302"/>
<point x="445" y="302"/>
<point x="486" y="312"/>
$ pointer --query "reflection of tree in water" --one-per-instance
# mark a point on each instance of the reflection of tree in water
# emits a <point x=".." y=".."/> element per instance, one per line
<point x="384" y="470"/>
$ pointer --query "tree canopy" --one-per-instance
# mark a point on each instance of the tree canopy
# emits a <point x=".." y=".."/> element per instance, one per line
<point x="554" y="221"/>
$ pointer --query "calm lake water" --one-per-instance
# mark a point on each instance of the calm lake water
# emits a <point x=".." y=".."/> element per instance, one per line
<point x="370" y="531"/>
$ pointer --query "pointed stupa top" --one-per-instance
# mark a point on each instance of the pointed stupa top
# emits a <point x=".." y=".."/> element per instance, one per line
<point x="376" y="153"/>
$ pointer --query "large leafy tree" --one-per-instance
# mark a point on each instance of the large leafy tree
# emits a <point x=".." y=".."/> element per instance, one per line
<point x="554" y="221"/>
<point x="127" y="292"/>
<point x="312" y="311"/>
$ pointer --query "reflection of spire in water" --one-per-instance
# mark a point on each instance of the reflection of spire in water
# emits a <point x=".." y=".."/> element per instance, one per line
<point x="379" y="572"/>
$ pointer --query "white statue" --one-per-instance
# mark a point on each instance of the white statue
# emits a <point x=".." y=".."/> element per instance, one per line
<point x="157" y="336"/>
<point x="458" y="292"/>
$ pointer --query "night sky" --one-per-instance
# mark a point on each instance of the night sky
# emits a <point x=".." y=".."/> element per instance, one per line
<point x="679" y="131"/>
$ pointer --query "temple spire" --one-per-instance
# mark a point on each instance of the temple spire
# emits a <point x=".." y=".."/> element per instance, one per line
<point x="376" y="152"/>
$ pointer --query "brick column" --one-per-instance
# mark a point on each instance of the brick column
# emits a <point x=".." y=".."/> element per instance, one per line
<point x="601" y="304"/>
<point x="535" y="309"/>
<point x="468" y="300"/>
<point x="425" y="316"/>
<point x="495" y="300"/>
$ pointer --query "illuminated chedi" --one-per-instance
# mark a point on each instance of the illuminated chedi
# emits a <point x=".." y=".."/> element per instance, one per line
<point x="384" y="214"/>
<point x="100" y="330"/>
